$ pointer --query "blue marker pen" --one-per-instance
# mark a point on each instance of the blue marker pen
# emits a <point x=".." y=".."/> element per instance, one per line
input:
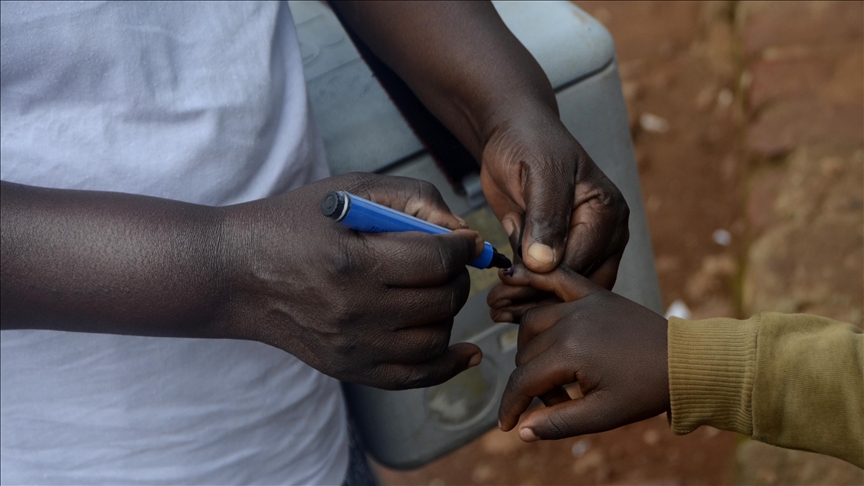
<point x="362" y="215"/>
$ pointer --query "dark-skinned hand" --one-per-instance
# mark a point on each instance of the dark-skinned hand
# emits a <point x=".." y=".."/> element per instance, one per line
<point x="474" y="75"/>
<point x="533" y="170"/>
<point x="614" y="349"/>
<point x="375" y="309"/>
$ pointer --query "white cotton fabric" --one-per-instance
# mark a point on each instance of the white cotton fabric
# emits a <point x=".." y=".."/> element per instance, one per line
<point x="192" y="101"/>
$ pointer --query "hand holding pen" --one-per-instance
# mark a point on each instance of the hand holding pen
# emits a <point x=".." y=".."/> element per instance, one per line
<point x="368" y="217"/>
<point x="373" y="309"/>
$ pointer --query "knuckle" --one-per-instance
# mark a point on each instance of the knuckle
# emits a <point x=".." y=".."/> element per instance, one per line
<point x="440" y="308"/>
<point x="416" y="377"/>
<point x="350" y="259"/>
<point x="423" y="197"/>
<point x="573" y="347"/>
<point x="344" y="264"/>
<point x="529" y="332"/>
<point x="346" y="344"/>
<point x="516" y="381"/>
<point x="621" y="203"/>
<point x="428" y="191"/>
<point x="498" y="315"/>
<point x="434" y="342"/>
<point x="614" y="199"/>
<point x="459" y="295"/>
<point x="364" y="183"/>
<point x="344" y="313"/>
<point x="453" y="304"/>
<point x="556" y="425"/>
<point x="623" y="208"/>
<point x="530" y="323"/>
<point x="521" y="357"/>
<point x="383" y="376"/>
<point x="445" y="260"/>
<point x="441" y="343"/>
<point x="354" y="178"/>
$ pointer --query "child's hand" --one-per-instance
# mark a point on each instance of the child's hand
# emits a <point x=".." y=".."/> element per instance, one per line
<point x="612" y="347"/>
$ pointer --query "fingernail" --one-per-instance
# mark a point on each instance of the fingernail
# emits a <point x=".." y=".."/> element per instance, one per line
<point x="528" y="435"/>
<point x="479" y="243"/>
<point x="509" y="271"/>
<point x="475" y="360"/>
<point x="504" y="317"/>
<point x="509" y="226"/>
<point x="461" y="221"/>
<point x="541" y="253"/>
<point x="499" y="426"/>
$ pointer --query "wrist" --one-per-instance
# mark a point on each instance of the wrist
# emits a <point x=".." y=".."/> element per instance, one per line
<point x="711" y="366"/>
<point x="225" y="252"/>
<point x="257" y="266"/>
<point x="520" y="116"/>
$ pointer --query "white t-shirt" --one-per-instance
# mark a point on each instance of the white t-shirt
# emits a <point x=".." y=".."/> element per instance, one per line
<point x="199" y="102"/>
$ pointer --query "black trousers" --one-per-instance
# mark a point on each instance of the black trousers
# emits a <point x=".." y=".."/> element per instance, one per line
<point x="359" y="471"/>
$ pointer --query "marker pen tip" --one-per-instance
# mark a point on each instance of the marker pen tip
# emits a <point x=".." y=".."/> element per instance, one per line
<point x="500" y="261"/>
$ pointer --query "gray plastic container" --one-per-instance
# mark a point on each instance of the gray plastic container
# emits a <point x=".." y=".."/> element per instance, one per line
<point x="364" y="131"/>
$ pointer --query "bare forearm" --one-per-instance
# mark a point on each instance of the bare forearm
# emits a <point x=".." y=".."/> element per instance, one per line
<point x="107" y="262"/>
<point x="459" y="58"/>
<point x="274" y="270"/>
<point x="465" y="65"/>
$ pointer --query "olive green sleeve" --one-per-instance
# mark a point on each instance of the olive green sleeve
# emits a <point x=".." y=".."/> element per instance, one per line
<point x="791" y="380"/>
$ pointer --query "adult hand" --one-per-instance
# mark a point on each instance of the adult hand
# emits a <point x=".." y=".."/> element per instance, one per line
<point x="534" y="170"/>
<point x="474" y="75"/>
<point x="375" y="309"/>
<point x="371" y="309"/>
<point x="613" y="348"/>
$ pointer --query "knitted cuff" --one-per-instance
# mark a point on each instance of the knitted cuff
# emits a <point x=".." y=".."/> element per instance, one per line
<point x="712" y="364"/>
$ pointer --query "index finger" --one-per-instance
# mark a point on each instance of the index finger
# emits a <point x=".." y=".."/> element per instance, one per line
<point x="566" y="284"/>
<point x="414" y="197"/>
<point x="414" y="259"/>
<point x="537" y="377"/>
<point x="597" y="237"/>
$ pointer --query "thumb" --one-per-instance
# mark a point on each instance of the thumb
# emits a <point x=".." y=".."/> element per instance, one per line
<point x="548" y="194"/>
<point x="586" y="415"/>
<point x="566" y="284"/>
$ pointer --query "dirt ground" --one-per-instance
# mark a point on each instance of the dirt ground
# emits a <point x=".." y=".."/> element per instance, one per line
<point x="682" y="62"/>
